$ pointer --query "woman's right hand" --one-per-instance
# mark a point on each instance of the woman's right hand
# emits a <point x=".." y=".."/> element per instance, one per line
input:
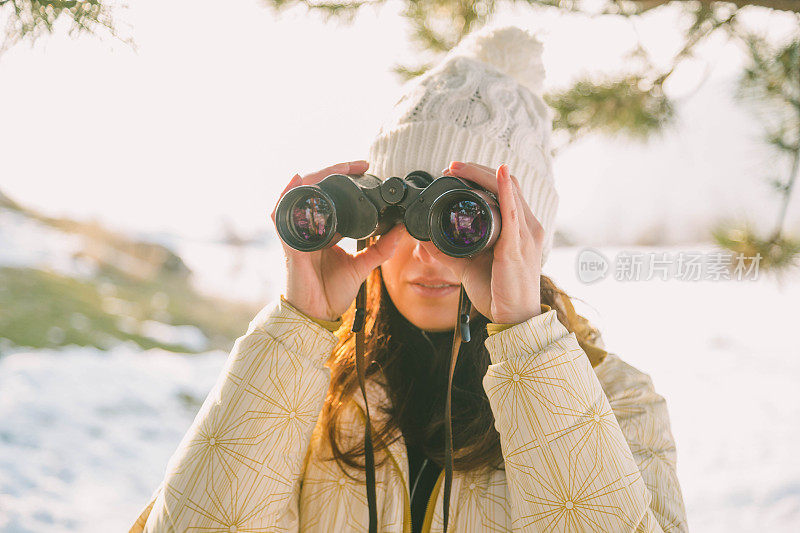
<point x="323" y="284"/>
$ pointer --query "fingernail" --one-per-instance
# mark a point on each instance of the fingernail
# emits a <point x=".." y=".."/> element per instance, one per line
<point x="455" y="165"/>
<point x="504" y="170"/>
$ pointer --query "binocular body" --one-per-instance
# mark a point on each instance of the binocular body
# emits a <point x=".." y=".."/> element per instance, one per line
<point x="460" y="218"/>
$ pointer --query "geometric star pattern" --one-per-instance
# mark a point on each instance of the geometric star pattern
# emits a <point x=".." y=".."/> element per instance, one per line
<point x="585" y="449"/>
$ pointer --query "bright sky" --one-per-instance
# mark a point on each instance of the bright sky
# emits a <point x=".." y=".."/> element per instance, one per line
<point x="217" y="108"/>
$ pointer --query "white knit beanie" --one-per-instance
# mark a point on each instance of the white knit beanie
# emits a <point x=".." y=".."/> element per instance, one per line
<point x="483" y="103"/>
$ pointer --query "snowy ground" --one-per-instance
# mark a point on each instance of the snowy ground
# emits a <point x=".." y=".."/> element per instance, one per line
<point x="26" y="242"/>
<point x="85" y="435"/>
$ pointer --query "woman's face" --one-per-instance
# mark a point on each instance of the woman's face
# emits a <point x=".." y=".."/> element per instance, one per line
<point x="422" y="289"/>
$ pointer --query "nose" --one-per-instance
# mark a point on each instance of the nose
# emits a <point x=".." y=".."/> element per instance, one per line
<point x="421" y="255"/>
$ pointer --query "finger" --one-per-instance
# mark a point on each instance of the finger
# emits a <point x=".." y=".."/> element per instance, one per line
<point x="489" y="170"/>
<point x="481" y="176"/>
<point x="532" y="223"/>
<point x="508" y="242"/>
<point x="294" y="182"/>
<point x="522" y="207"/>
<point x="533" y="226"/>
<point x="531" y="233"/>
<point x="530" y="218"/>
<point x="374" y="255"/>
<point x="484" y="167"/>
<point x="351" y="167"/>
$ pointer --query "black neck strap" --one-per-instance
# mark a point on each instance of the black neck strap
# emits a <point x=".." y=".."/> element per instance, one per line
<point x="361" y="370"/>
<point x="461" y="334"/>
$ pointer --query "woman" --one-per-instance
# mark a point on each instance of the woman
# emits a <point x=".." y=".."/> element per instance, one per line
<point x="550" y="432"/>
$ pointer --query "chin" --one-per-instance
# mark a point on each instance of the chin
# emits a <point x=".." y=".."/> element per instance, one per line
<point x="433" y="316"/>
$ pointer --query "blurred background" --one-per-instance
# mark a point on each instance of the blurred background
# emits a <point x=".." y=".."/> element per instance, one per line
<point x="143" y="146"/>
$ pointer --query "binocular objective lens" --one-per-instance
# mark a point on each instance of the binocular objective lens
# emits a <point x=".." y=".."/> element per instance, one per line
<point x="465" y="223"/>
<point x="310" y="217"/>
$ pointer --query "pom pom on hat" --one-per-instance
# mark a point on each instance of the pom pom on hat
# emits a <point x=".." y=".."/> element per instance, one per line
<point x="510" y="49"/>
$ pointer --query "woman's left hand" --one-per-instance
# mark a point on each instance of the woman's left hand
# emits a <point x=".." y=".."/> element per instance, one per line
<point x="502" y="282"/>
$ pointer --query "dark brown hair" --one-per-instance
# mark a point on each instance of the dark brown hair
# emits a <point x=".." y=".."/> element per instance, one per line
<point x="414" y="368"/>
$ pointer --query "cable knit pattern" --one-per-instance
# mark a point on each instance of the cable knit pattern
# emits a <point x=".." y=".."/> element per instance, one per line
<point x="585" y="449"/>
<point x="482" y="103"/>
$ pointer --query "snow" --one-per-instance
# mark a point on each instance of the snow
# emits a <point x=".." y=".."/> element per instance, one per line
<point x="85" y="435"/>
<point x="249" y="273"/>
<point x="27" y="242"/>
<point x="190" y="337"/>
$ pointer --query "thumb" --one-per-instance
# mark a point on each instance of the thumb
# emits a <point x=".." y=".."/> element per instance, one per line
<point x="374" y="255"/>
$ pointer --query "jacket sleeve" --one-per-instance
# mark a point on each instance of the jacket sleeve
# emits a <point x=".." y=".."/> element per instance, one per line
<point x="575" y="458"/>
<point x="240" y="465"/>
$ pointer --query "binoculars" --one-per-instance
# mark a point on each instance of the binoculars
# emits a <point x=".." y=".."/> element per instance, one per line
<point x="458" y="216"/>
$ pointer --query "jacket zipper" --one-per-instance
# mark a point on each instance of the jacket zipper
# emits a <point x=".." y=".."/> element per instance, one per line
<point x="419" y="476"/>
<point x="428" y="522"/>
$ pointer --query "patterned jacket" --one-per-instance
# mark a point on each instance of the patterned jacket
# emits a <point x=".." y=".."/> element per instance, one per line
<point x="585" y="449"/>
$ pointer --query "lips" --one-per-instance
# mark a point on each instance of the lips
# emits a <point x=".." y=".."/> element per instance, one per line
<point x="433" y="288"/>
<point x="433" y="282"/>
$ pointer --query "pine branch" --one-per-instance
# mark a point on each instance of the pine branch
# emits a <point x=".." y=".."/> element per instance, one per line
<point x="641" y="6"/>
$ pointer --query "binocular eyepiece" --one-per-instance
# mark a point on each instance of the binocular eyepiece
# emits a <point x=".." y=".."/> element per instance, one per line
<point x="459" y="217"/>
